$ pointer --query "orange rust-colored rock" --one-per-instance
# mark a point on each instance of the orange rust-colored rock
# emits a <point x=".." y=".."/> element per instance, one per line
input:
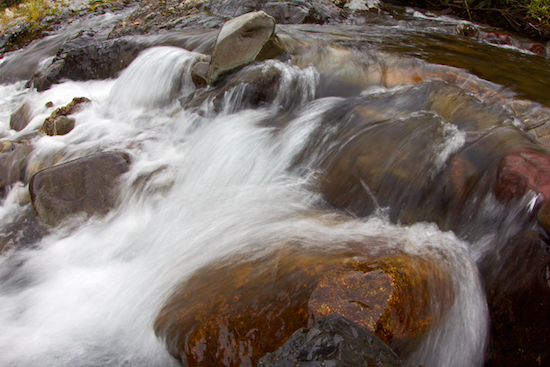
<point x="390" y="297"/>
<point x="233" y="314"/>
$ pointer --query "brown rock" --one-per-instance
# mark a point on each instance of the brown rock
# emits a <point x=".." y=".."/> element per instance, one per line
<point x="233" y="314"/>
<point x="86" y="186"/>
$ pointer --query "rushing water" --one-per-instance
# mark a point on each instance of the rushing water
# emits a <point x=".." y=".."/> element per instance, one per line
<point x="206" y="183"/>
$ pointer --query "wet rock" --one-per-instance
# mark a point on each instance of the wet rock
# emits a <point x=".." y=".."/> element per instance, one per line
<point x="85" y="186"/>
<point x="231" y="314"/>
<point x="199" y="73"/>
<point x="257" y="86"/>
<point x="389" y="297"/>
<point x="521" y="171"/>
<point x="333" y="341"/>
<point x="518" y="287"/>
<point x="239" y="42"/>
<point x="100" y="60"/>
<point x="468" y="30"/>
<point x="20" y="118"/>
<point x="20" y="231"/>
<point x="13" y="163"/>
<point x="58" y="123"/>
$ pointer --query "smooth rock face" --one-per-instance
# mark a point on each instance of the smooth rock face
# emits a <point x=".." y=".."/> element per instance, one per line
<point x="332" y="341"/>
<point x="85" y="186"/>
<point x="20" y="118"/>
<point x="231" y="314"/>
<point x="239" y="42"/>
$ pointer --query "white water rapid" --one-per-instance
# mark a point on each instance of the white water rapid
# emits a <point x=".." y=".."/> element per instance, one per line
<point x="201" y="186"/>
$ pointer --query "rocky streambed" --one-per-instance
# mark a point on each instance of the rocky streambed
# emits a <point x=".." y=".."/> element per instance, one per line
<point x="301" y="183"/>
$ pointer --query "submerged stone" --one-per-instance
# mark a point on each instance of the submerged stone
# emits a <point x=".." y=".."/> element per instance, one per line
<point x="85" y="186"/>
<point x="239" y="42"/>
<point x="234" y="313"/>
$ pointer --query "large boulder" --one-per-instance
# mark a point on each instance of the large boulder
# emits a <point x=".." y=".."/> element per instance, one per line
<point x="86" y="186"/>
<point x="235" y="313"/>
<point x="332" y="341"/>
<point x="239" y="42"/>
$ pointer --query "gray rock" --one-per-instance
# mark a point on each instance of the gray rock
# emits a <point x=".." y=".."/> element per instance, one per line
<point x="20" y="118"/>
<point x="239" y="42"/>
<point x="336" y="342"/>
<point x="85" y="186"/>
<point x="286" y="12"/>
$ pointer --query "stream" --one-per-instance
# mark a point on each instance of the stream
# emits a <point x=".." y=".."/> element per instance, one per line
<point x="231" y="177"/>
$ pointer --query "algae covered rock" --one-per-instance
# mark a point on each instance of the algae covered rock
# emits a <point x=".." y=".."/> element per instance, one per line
<point x="58" y="123"/>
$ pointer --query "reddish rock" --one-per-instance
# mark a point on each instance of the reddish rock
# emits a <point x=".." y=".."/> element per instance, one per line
<point x="523" y="170"/>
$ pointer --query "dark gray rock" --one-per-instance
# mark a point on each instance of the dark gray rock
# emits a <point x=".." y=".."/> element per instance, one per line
<point x="20" y="118"/>
<point x="100" y="60"/>
<point x="336" y="342"/>
<point x="85" y="186"/>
